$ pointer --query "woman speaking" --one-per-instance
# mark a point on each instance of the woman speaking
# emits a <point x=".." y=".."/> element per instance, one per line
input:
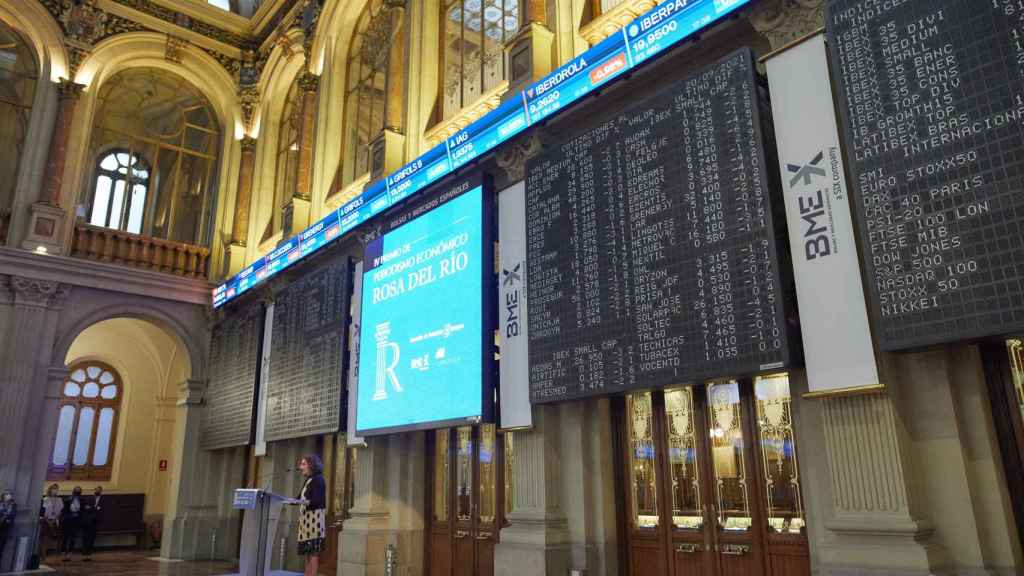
<point x="312" y="520"/>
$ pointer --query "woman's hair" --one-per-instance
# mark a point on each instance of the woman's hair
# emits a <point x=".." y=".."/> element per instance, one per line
<point x="314" y="463"/>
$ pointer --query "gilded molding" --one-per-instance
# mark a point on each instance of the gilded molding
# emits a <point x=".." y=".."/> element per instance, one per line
<point x="309" y="82"/>
<point x="249" y="100"/>
<point x="783" y="21"/>
<point x="174" y="48"/>
<point x="469" y="114"/>
<point x="613" y="20"/>
<point x="512" y="159"/>
<point x="68" y="90"/>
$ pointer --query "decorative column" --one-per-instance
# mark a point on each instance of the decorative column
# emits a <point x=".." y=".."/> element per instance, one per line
<point x="536" y="541"/>
<point x="28" y="318"/>
<point x="47" y="215"/>
<point x="301" y="201"/>
<point x="872" y="477"/>
<point x="243" y="205"/>
<point x="199" y="522"/>
<point x="388" y="148"/>
<point x="363" y="542"/>
<point x="783" y="21"/>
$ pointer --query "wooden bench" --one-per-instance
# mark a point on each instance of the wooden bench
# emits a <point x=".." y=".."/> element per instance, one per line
<point x="123" y="514"/>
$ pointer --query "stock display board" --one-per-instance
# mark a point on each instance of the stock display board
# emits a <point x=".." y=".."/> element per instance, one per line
<point x="307" y="352"/>
<point x="932" y="102"/>
<point x="649" y="35"/>
<point x="651" y="252"/>
<point x="233" y="369"/>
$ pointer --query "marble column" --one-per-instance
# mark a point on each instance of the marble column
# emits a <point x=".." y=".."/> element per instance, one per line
<point x="364" y="539"/>
<point x="309" y="88"/>
<point x="46" y="224"/>
<point x="536" y="541"/>
<point x="29" y="309"/>
<point x="243" y="205"/>
<point x="68" y="94"/>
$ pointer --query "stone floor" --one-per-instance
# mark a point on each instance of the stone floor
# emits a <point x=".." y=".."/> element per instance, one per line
<point x="135" y="564"/>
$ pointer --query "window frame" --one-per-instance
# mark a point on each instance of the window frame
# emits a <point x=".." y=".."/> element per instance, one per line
<point x="443" y="7"/>
<point x="88" y="471"/>
<point x="114" y="176"/>
<point x="352" y="150"/>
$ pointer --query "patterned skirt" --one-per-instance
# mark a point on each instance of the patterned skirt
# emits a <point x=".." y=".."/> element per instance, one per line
<point x="312" y="532"/>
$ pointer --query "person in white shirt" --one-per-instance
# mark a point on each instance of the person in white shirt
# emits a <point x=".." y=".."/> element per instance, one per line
<point x="49" y="520"/>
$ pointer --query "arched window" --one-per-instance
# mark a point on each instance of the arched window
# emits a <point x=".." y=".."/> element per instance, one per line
<point x="87" y="423"/>
<point x="18" y="75"/>
<point x="119" y="197"/>
<point x="165" y="141"/>
<point x="367" y="81"/>
<point x="473" y="49"/>
<point x="286" y="173"/>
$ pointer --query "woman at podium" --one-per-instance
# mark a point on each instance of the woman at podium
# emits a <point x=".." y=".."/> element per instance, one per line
<point x="312" y="519"/>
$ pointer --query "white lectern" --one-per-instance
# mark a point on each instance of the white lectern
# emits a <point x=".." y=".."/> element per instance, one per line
<point x="259" y="524"/>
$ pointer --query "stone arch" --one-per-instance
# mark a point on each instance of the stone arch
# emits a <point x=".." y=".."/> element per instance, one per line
<point x="148" y="50"/>
<point x="139" y="311"/>
<point x="41" y="30"/>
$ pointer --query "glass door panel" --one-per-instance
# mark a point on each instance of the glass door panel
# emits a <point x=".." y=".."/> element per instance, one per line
<point x="643" y="477"/>
<point x="784" y="505"/>
<point x="728" y="453"/>
<point x="687" y="509"/>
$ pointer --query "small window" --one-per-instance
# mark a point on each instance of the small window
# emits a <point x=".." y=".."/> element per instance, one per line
<point x="119" y="196"/>
<point x="473" y="49"/>
<point x="87" y="424"/>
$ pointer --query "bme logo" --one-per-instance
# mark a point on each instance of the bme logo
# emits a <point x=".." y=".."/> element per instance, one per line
<point x="511" y="279"/>
<point x="817" y="240"/>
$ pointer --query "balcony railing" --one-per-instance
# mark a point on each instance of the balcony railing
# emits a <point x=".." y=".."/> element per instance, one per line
<point x="118" y="247"/>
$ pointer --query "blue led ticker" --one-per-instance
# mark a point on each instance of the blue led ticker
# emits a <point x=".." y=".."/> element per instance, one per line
<point x="650" y="34"/>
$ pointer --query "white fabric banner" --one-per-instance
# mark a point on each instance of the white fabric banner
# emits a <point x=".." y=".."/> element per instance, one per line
<point x="515" y="361"/>
<point x="353" y="355"/>
<point x="833" y="316"/>
<point x="260" y="448"/>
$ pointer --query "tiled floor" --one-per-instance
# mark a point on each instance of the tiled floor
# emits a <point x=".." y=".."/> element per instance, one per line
<point x="135" y="564"/>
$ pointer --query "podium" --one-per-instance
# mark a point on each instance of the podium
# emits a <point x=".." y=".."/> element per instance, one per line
<point x="262" y="509"/>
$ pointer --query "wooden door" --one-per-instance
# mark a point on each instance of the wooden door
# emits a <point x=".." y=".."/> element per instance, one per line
<point x="711" y="482"/>
<point x="339" y="463"/>
<point x="466" y="498"/>
<point x="1003" y="363"/>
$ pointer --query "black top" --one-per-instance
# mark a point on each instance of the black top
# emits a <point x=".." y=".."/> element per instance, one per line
<point x="91" y="509"/>
<point x="316" y="492"/>
<point x="73" y="515"/>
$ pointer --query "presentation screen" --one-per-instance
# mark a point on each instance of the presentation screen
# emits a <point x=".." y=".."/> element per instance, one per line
<point x="424" y="360"/>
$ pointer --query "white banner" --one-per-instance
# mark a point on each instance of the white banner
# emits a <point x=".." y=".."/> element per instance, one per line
<point x="260" y="448"/>
<point x="356" y="308"/>
<point x="514" y="364"/>
<point x="833" y="316"/>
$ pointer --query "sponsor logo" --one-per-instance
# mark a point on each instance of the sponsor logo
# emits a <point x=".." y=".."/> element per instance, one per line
<point x="388" y="355"/>
<point x="813" y="203"/>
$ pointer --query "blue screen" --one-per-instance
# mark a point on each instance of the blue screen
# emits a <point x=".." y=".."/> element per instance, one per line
<point x="421" y="333"/>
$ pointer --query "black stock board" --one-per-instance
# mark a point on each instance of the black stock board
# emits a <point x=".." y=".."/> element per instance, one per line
<point x="307" y="352"/>
<point x="932" y="101"/>
<point x="652" y="258"/>
<point x="233" y="369"/>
